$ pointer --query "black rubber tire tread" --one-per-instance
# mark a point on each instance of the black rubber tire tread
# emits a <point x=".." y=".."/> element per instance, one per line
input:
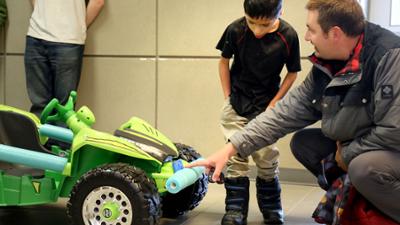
<point x="174" y="205"/>
<point x="132" y="181"/>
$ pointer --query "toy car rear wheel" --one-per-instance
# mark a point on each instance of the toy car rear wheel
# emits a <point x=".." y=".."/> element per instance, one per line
<point x="174" y="205"/>
<point x="117" y="194"/>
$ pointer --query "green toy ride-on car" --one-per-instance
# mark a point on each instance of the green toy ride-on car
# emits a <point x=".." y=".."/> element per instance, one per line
<point x="132" y="177"/>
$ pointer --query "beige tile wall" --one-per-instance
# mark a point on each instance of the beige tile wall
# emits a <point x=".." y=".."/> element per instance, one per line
<point x="189" y="100"/>
<point x="122" y="25"/>
<point x="18" y="19"/>
<point x="155" y="59"/>
<point x="15" y="91"/>
<point x="2" y="42"/>
<point x="2" y="63"/>
<point x="118" y="88"/>
<point x="190" y="28"/>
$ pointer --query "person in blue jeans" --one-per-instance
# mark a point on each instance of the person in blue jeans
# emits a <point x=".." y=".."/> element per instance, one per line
<point x="54" y="48"/>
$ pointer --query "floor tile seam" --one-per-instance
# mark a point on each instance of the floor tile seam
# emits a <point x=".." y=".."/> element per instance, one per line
<point x="295" y="205"/>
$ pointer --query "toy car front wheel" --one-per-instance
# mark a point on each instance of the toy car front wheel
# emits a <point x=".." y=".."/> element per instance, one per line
<point x="189" y="197"/>
<point x="116" y="194"/>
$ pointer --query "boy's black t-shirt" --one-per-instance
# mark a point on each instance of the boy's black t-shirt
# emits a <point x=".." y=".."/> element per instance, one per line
<point x="257" y="64"/>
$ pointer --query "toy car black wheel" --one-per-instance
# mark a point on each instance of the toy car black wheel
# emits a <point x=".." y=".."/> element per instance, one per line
<point x="117" y="194"/>
<point x="174" y="205"/>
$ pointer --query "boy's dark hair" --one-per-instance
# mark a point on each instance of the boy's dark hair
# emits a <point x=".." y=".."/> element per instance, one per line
<point x="346" y="14"/>
<point x="268" y="9"/>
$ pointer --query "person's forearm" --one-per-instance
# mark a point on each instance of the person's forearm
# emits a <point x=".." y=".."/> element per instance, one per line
<point x="33" y="2"/>
<point x="286" y="85"/>
<point x="224" y="76"/>
<point x="92" y="11"/>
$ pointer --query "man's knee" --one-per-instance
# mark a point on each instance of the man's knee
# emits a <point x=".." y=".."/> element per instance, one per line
<point x="359" y="171"/>
<point x="375" y="175"/>
<point x="296" y="143"/>
<point x="367" y="170"/>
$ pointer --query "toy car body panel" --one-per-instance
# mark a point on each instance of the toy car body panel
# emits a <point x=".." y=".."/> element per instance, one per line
<point x="104" y="174"/>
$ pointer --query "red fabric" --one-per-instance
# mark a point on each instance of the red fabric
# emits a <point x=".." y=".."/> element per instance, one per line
<point x="359" y="211"/>
<point x="352" y="65"/>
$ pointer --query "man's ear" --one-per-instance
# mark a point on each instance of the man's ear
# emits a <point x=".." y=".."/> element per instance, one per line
<point x="336" y="33"/>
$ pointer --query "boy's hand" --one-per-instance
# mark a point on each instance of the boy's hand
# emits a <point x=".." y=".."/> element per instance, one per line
<point x="338" y="156"/>
<point x="272" y="104"/>
<point x="216" y="162"/>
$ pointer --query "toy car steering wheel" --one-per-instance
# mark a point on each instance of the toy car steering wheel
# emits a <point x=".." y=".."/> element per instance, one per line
<point x="60" y="110"/>
<point x="46" y="117"/>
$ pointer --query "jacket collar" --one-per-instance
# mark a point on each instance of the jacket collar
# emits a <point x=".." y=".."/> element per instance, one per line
<point x="352" y="66"/>
<point x="349" y="74"/>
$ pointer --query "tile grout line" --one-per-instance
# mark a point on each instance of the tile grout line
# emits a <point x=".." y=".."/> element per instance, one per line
<point x="298" y="203"/>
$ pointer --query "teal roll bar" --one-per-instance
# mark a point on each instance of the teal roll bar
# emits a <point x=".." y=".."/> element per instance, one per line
<point x="57" y="133"/>
<point x="31" y="158"/>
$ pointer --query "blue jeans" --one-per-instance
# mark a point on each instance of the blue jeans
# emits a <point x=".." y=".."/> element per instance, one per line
<point x="52" y="70"/>
<point x="310" y="146"/>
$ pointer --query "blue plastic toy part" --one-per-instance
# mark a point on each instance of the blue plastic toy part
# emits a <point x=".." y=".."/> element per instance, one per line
<point x="57" y="133"/>
<point x="177" y="165"/>
<point x="183" y="178"/>
<point x="32" y="159"/>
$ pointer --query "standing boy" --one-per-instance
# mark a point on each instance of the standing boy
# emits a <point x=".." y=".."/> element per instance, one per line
<point x="261" y="44"/>
<point x="353" y="89"/>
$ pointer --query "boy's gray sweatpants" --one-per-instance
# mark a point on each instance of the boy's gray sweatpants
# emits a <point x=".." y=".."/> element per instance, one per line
<point x="266" y="159"/>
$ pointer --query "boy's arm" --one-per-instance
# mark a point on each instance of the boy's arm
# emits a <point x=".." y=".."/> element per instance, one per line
<point x="286" y="84"/>
<point x="224" y="76"/>
<point x="92" y="10"/>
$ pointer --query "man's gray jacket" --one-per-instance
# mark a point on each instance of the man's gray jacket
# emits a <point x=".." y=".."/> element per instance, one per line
<point x="361" y="109"/>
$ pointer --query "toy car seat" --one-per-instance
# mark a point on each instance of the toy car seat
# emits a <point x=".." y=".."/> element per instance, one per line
<point x="19" y="131"/>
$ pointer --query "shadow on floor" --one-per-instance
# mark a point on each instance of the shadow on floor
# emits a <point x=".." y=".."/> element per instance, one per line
<point x="299" y="201"/>
<point x="34" y="215"/>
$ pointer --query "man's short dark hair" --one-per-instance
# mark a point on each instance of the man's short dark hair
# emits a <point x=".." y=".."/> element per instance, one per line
<point x="346" y="14"/>
<point x="269" y="9"/>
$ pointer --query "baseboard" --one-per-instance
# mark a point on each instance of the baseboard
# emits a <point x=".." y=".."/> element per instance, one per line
<point x="290" y="175"/>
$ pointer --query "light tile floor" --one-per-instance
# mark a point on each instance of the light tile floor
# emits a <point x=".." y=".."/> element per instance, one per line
<point x="299" y="201"/>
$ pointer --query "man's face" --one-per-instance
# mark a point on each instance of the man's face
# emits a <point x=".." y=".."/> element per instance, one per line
<point x="323" y="42"/>
<point x="261" y="26"/>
